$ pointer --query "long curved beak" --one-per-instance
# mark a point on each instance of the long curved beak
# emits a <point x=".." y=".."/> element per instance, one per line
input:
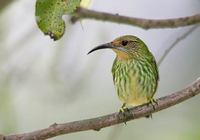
<point x="103" y="46"/>
<point x="107" y="46"/>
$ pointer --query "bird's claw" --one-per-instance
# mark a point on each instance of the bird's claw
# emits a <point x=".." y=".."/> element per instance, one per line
<point x="125" y="112"/>
<point x="152" y="102"/>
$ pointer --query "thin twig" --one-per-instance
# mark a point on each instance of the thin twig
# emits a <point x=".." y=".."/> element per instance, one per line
<point x="111" y="119"/>
<point x="179" y="39"/>
<point x="83" y="13"/>
<point x="4" y="4"/>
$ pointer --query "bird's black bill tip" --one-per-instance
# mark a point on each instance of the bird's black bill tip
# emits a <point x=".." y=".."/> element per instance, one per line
<point x="90" y="52"/>
<point x="104" y="46"/>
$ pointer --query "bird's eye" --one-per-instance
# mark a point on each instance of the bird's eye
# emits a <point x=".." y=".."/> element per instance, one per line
<point x="124" y="42"/>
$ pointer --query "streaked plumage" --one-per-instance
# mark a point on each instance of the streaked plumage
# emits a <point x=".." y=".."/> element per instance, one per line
<point x="135" y="73"/>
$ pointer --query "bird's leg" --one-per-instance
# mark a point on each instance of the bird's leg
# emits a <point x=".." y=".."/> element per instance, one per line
<point x="151" y="102"/>
<point x="123" y="108"/>
<point x="154" y="101"/>
<point x="125" y="111"/>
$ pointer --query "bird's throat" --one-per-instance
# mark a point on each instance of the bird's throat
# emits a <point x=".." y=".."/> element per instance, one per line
<point x="121" y="55"/>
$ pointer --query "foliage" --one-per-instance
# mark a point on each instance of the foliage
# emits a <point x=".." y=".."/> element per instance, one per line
<point x="49" y="15"/>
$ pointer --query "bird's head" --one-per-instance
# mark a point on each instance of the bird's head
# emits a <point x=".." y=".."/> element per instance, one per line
<point x="126" y="47"/>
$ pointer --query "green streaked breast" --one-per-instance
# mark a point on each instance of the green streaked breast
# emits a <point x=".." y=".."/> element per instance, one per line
<point x="135" y="80"/>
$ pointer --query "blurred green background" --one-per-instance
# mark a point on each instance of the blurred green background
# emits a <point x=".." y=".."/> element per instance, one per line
<point x="43" y="82"/>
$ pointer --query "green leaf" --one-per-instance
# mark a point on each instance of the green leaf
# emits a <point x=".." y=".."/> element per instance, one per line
<point x="49" y="15"/>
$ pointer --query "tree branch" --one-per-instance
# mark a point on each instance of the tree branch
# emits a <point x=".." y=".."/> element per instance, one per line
<point x="179" y="39"/>
<point x="4" y="3"/>
<point x="83" y="13"/>
<point x="111" y="119"/>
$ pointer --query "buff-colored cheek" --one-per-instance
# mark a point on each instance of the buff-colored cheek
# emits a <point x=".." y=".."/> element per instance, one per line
<point x="121" y="55"/>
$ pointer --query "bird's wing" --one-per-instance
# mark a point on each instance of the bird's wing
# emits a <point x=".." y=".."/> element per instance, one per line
<point x="114" y="68"/>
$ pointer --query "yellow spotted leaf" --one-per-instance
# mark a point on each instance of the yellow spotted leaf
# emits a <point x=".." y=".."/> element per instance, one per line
<point x="49" y="15"/>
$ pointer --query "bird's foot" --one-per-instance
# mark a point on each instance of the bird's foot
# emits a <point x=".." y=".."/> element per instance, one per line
<point x="125" y="112"/>
<point x="149" y="116"/>
<point x="152" y="102"/>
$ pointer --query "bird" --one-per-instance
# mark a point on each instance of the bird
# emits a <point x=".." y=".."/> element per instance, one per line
<point x="135" y="72"/>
